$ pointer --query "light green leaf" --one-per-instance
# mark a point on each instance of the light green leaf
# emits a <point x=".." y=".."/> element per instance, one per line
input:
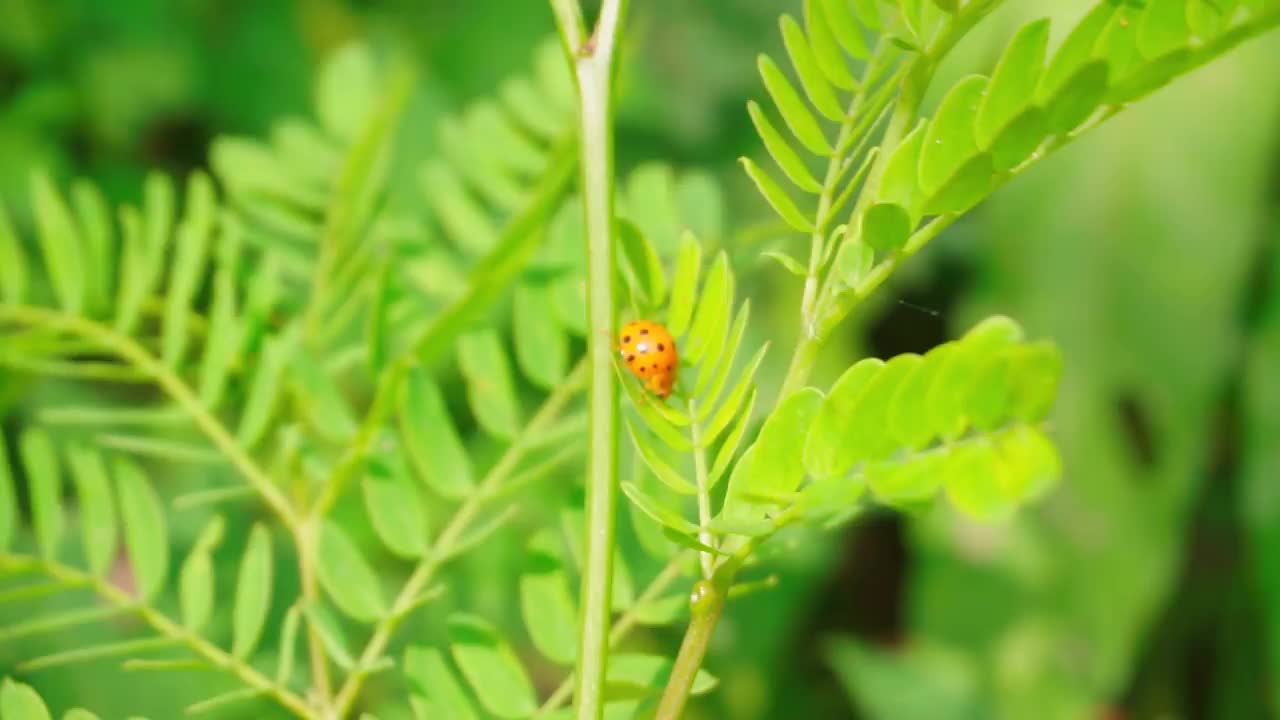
<point x="868" y="433"/>
<point x="145" y="529"/>
<point x="702" y="206"/>
<point x="780" y="150"/>
<point x="429" y="675"/>
<point x="80" y="714"/>
<point x="729" y="409"/>
<point x="195" y="589"/>
<point x="776" y="468"/>
<point x="1205" y="18"/>
<point x="288" y="644"/>
<point x="547" y="606"/>
<point x="910" y="420"/>
<point x="265" y="388"/>
<point x="651" y="204"/>
<point x="1079" y="98"/>
<point x="854" y="262"/>
<point x="1013" y="84"/>
<point x="94" y="216"/>
<point x="97" y="510"/>
<point x="711" y="322"/>
<point x="1031" y="462"/>
<point x="652" y="457"/>
<point x="778" y="199"/>
<point x="633" y="675"/>
<point x="899" y="184"/>
<point x="827" y="434"/>
<point x="919" y="682"/>
<point x="394" y="509"/>
<point x="45" y="485"/>
<point x="794" y="112"/>
<point x="317" y="399"/>
<point x="713" y="375"/>
<point x="347" y="576"/>
<point x="491" y="667"/>
<point x="729" y="448"/>
<point x="1163" y="27"/>
<point x="869" y="13"/>
<point x="253" y="593"/>
<point x="463" y="218"/>
<point x="956" y="374"/>
<point x="188" y="267"/>
<point x="432" y="441"/>
<point x="21" y="702"/>
<point x="826" y="51"/>
<point x="60" y="244"/>
<point x="490" y="392"/>
<point x="1075" y="52"/>
<point x="656" y="510"/>
<point x="976" y="482"/>
<point x="886" y="227"/>
<point x="643" y="261"/>
<point x="914" y="480"/>
<point x="225" y="334"/>
<point x="949" y="142"/>
<point x="542" y="346"/>
<point x="685" y="285"/>
<point x="379" y="317"/>
<point x="13" y="262"/>
<point x="811" y="77"/>
<point x="1036" y="370"/>
<point x="326" y="626"/>
<point x="845" y="26"/>
<point x="787" y="262"/>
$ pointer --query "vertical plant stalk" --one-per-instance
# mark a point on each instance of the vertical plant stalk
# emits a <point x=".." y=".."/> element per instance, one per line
<point x="593" y="65"/>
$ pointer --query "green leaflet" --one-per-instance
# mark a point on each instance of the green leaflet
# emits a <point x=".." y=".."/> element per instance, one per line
<point x="60" y="244"/>
<point x="430" y="677"/>
<point x="885" y="227"/>
<point x="812" y="79"/>
<point x="1079" y="97"/>
<point x="899" y="183"/>
<point x="542" y="346"/>
<point x="710" y="323"/>
<point x="702" y="205"/>
<point x="97" y="510"/>
<point x="1118" y="44"/>
<point x="956" y="374"/>
<point x="826" y="51"/>
<point x="327" y="627"/>
<point x="787" y="262"/>
<point x="196" y="579"/>
<point x="226" y="331"/>
<point x="490" y="391"/>
<point x="45" y="483"/>
<point x="685" y="285"/>
<point x="651" y="202"/>
<point x="288" y="644"/>
<point x="347" y="576"/>
<point x="317" y="399"/>
<point x="491" y="667"/>
<point x="432" y="441"/>
<point x="949" y="142"/>
<point x="1075" y="52"/>
<point x="729" y="409"/>
<point x="1013" y="84"/>
<point x="1019" y="139"/>
<point x="797" y="117"/>
<point x="8" y="503"/>
<point x="94" y="217"/>
<point x="845" y="26"/>
<point x="916" y="479"/>
<point x="777" y="197"/>
<point x="253" y="593"/>
<point x="653" y="459"/>
<point x="376" y="335"/>
<point x="13" y="262"/>
<point x="643" y="263"/>
<point x="827" y="434"/>
<point x="728" y="449"/>
<point x="970" y="184"/>
<point x="633" y="675"/>
<point x="394" y="509"/>
<point x="713" y="373"/>
<point x="546" y="604"/>
<point x="145" y="529"/>
<point x="658" y="511"/>
<point x="21" y="702"/>
<point x="462" y="217"/>
<point x="775" y="469"/>
<point x="188" y="266"/>
<point x="266" y="387"/>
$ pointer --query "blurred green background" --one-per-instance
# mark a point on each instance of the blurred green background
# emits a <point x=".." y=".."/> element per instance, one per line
<point x="1147" y="586"/>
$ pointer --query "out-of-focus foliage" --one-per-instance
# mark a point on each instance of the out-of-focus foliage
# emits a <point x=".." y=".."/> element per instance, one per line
<point x="1143" y="252"/>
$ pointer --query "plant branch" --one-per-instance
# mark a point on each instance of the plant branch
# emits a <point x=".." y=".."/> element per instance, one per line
<point x="169" y="629"/>
<point x="444" y="547"/>
<point x="593" y="66"/>
<point x="134" y="354"/>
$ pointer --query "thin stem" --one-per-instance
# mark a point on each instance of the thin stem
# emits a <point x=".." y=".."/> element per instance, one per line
<point x="134" y="354"/>
<point x="307" y="539"/>
<point x="173" y="631"/>
<point x="621" y="629"/>
<point x="444" y="547"/>
<point x="708" y="602"/>
<point x="704" y="492"/>
<point x="593" y="64"/>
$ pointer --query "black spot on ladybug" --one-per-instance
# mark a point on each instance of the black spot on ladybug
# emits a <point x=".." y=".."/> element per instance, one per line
<point x="631" y="358"/>
<point x="661" y="347"/>
<point x="668" y="367"/>
<point x="644" y="331"/>
<point x="626" y="338"/>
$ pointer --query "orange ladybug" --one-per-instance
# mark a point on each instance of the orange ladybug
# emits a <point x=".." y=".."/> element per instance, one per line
<point x="650" y="354"/>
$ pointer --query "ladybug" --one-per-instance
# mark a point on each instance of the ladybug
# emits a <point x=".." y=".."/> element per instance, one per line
<point x="650" y="354"/>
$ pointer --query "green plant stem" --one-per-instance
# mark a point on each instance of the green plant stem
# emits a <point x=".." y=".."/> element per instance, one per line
<point x="135" y="355"/>
<point x="170" y="630"/>
<point x="704" y="492"/>
<point x="445" y="545"/>
<point x="621" y="629"/>
<point x="593" y="70"/>
<point x="307" y="540"/>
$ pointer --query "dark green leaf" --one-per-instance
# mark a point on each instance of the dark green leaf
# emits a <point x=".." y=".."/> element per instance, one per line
<point x="973" y="182"/>
<point x="347" y="576"/>
<point x="490" y="666"/>
<point x="8" y="501"/>
<point x="1019" y="140"/>
<point x="886" y="227"/>
<point x="431" y="439"/>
